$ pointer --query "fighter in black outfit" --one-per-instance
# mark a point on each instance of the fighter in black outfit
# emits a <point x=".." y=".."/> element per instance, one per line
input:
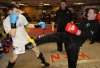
<point x="75" y="36"/>
<point x="62" y="16"/>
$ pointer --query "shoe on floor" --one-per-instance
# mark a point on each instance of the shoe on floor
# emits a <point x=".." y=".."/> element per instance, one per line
<point x="91" y="42"/>
<point x="45" y="64"/>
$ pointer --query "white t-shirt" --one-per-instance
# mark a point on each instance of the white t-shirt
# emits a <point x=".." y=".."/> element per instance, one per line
<point x="21" y="37"/>
<point x="20" y="11"/>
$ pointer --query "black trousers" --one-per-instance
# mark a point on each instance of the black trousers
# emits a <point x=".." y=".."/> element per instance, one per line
<point x="59" y="44"/>
<point x="96" y="36"/>
<point x="72" y="49"/>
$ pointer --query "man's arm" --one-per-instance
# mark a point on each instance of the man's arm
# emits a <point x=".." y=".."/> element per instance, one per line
<point x="54" y="21"/>
<point x="12" y="32"/>
<point x="40" y="24"/>
<point x="73" y="29"/>
<point x="70" y="16"/>
<point x="53" y="24"/>
<point x="13" y="19"/>
<point x="30" y="26"/>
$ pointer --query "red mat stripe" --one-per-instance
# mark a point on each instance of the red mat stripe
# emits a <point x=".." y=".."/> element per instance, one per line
<point x="38" y="31"/>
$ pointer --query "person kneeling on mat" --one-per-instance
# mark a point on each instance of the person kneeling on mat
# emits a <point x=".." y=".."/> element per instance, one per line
<point x="14" y="26"/>
<point x="74" y="36"/>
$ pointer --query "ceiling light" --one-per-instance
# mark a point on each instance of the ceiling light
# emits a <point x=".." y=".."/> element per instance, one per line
<point x="21" y="4"/>
<point x="78" y="3"/>
<point x="46" y="4"/>
<point x="40" y="5"/>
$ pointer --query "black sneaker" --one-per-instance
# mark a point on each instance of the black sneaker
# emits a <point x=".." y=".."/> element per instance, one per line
<point x="9" y="67"/>
<point x="45" y="64"/>
<point x="91" y="42"/>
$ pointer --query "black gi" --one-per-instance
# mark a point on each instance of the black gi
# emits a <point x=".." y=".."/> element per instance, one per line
<point x="88" y="28"/>
<point x="62" y="17"/>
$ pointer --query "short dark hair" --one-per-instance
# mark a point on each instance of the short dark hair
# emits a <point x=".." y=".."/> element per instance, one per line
<point x="64" y="1"/>
<point x="87" y="9"/>
<point x="12" y="6"/>
<point x="96" y="11"/>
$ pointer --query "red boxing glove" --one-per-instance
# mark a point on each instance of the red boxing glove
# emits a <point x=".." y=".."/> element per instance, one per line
<point x="98" y="17"/>
<point x="73" y="29"/>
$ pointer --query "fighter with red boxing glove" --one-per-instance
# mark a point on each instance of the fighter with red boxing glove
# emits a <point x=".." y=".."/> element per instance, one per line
<point x="98" y="17"/>
<point x="86" y="29"/>
<point x="72" y="28"/>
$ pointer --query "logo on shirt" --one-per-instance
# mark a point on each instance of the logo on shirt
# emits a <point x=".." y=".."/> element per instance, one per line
<point x="92" y="32"/>
<point x="55" y="14"/>
<point x="87" y="25"/>
<point x="19" y="25"/>
<point x="67" y="12"/>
